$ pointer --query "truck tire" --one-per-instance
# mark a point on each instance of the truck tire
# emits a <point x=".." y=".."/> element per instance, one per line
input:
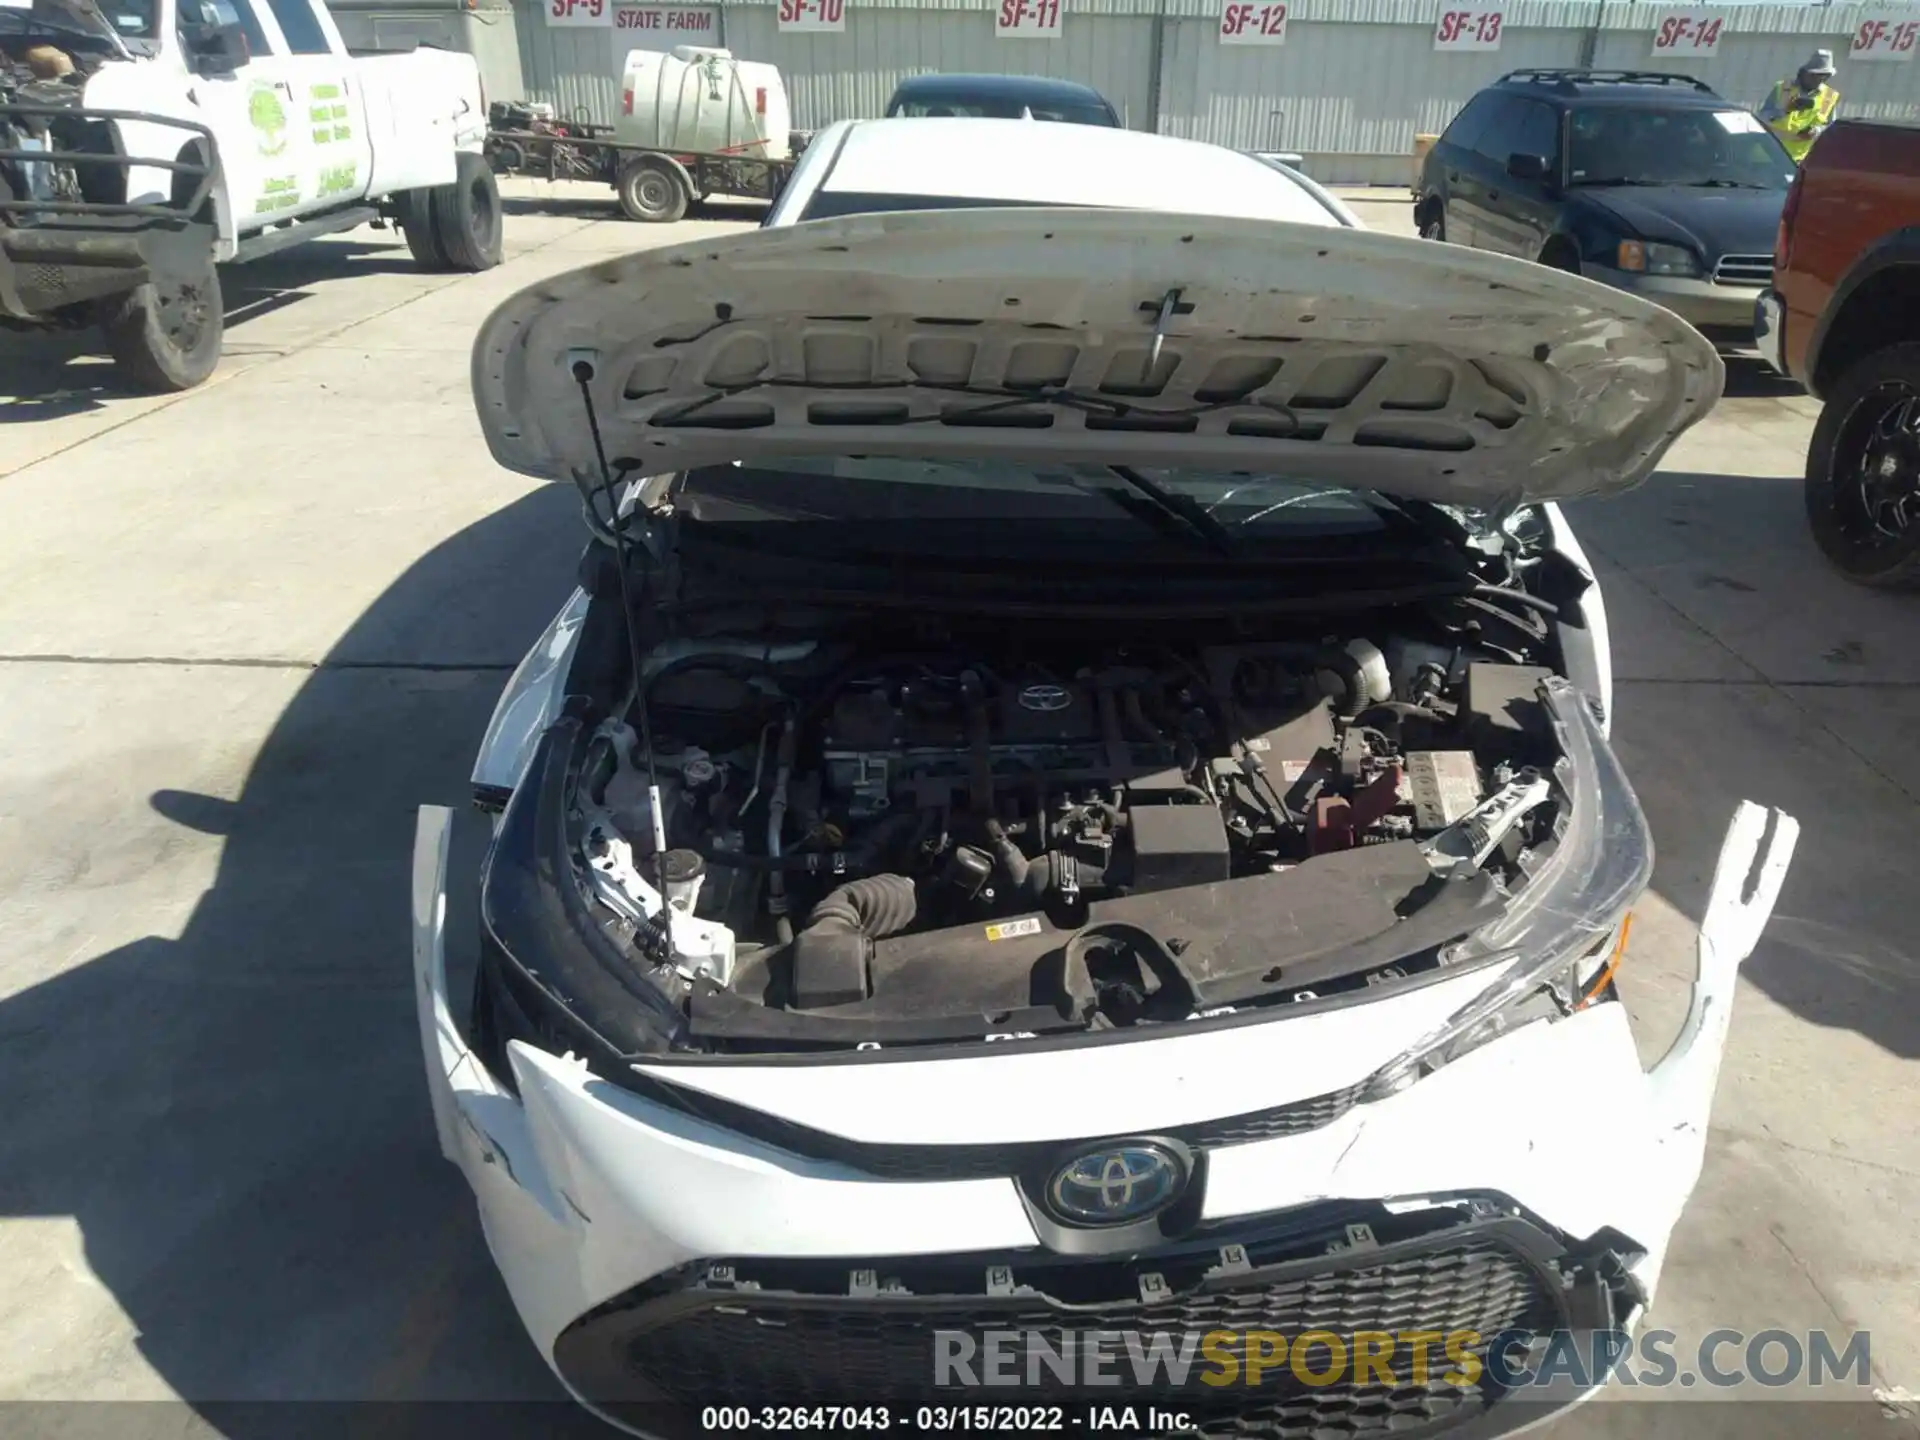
<point x="466" y="215"/>
<point x="165" y="336"/>
<point x="416" y="223"/>
<point x="1863" y="471"/>
<point x="651" y="190"/>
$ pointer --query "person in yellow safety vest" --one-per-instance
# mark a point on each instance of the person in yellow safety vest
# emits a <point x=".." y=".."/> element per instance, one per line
<point x="1800" y="109"/>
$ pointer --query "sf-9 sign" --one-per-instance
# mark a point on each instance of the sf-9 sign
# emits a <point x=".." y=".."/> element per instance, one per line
<point x="568" y="14"/>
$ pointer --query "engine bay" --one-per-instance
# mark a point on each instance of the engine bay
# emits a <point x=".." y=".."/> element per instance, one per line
<point x="901" y="819"/>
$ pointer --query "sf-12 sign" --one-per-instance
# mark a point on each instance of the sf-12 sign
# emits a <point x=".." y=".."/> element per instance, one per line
<point x="1693" y="33"/>
<point x="1886" y="34"/>
<point x="1464" y="27"/>
<point x="1253" y="22"/>
<point x="1027" y="20"/>
<point x="812" y="16"/>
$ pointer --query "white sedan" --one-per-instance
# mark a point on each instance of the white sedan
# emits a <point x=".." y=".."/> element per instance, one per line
<point x="1074" y="797"/>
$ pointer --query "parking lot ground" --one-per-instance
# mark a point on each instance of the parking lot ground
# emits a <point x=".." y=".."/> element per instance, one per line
<point x="245" y="631"/>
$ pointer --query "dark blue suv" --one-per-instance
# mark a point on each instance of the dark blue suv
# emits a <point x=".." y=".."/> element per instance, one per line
<point x="1649" y="182"/>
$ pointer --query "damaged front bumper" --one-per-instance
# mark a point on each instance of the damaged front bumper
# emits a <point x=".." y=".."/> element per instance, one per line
<point x="61" y="252"/>
<point x="614" y="1217"/>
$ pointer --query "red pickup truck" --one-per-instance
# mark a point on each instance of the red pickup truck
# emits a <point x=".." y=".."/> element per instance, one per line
<point x="1843" y="318"/>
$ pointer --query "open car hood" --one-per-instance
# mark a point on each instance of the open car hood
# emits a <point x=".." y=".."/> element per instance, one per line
<point x="1325" y="354"/>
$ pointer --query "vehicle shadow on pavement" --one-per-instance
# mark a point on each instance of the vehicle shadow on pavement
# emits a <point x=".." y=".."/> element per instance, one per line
<point x="1748" y="669"/>
<point x="49" y="375"/>
<point x="236" y="1117"/>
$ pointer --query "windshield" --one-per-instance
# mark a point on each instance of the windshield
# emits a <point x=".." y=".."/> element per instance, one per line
<point x="885" y="488"/>
<point x="1635" y="145"/>
<point x="1069" y="112"/>
<point x="67" y="17"/>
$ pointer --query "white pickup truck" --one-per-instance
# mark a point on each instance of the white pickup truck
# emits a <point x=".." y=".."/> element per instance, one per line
<point x="144" y="142"/>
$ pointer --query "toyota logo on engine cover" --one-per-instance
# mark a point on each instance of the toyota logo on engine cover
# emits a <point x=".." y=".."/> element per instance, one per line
<point x="1116" y="1186"/>
<point x="1045" y="697"/>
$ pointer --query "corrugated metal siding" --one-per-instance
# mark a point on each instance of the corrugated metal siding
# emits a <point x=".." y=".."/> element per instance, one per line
<point x="1357" y="79"/>
<point x="1331" y="87"/>
<point x="851" y="75"/>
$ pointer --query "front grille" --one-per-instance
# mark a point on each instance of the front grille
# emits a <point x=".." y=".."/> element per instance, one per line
<point x="989" y="1162"/>
<point x="1744" y="270"/>
<point x="862" y="1332"/>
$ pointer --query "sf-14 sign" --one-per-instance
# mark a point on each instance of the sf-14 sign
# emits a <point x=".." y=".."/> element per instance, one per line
<point x="1693" y="33"/>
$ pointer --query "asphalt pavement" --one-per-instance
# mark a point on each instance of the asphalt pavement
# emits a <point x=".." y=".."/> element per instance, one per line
<point x="245" y="631"/>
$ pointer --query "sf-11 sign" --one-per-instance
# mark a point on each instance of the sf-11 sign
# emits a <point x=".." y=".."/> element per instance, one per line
<point x="812" y="16"/>
<point x="1693" y="33"/>
<point x="1462" y="27"/>
<point x="1886" y="34"/>
<point x="1027" y="20"/>
<point x="1248" y="22"/>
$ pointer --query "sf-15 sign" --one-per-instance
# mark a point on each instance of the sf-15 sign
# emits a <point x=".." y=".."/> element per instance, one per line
<point x="1253" y="22"/>
<point x="1886" y="34"/>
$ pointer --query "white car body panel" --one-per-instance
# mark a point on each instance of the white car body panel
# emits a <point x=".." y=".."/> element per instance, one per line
<point x="583" y="1187"/>
<point x="1025" y="162"/>
<point x="587" y="1189"/>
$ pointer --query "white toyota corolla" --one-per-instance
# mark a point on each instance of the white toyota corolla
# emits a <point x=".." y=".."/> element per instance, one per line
<point x="1074" y="792"/>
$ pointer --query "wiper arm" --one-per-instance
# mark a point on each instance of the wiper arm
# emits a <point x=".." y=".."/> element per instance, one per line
<point x="1182" y="507"/>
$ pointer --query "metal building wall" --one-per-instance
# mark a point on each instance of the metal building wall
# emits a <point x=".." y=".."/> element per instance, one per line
<point x="1765" y="43"/>
<point x="850" y="75"/>
<point x="1355" y="81"/>
<point x="1104" y="43"/>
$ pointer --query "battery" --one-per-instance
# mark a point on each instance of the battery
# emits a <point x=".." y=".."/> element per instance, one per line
<point x="1445" y="786"/>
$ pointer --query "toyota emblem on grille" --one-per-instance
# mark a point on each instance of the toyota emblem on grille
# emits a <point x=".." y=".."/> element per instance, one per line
<point x="1044" y="697"/>
<point x="1116" y="1186"/>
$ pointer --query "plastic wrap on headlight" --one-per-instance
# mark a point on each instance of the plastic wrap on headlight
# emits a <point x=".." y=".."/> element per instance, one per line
<point x="1600" y="865"/>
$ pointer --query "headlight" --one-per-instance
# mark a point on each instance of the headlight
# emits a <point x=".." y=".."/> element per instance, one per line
<point x="1644" y="257"/>
<point x="1558" y="928"/>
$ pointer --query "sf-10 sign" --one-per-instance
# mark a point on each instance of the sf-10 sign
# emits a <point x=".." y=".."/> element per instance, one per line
<point x="804" y="16"/>
<point x="1027" y="20"/>
<point x="1463" y="27"/>
<point x="1886" y="35"/>
<point x="1250" y="22"/>
<point x="1694" y="33"/>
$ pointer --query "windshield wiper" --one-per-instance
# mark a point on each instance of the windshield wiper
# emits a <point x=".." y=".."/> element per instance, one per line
<point x="1719" y="183"/>
<point x="1182" y="507"/>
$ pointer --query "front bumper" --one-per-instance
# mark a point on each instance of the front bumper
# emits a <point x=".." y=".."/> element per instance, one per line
<point x="1697" y="300"/>
<point x="60" y="252"/>
<point x="607" y="1212"/>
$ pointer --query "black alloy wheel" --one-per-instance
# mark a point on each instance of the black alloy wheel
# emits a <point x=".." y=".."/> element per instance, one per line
<point x="1863" y="471"/>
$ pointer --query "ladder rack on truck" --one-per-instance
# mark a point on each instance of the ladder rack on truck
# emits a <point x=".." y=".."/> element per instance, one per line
<point x="650" y="183"/>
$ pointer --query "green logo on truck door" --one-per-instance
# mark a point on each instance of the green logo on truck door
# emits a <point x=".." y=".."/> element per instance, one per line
<point x="269" y="119"/>
<point x="327" y="114"/>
